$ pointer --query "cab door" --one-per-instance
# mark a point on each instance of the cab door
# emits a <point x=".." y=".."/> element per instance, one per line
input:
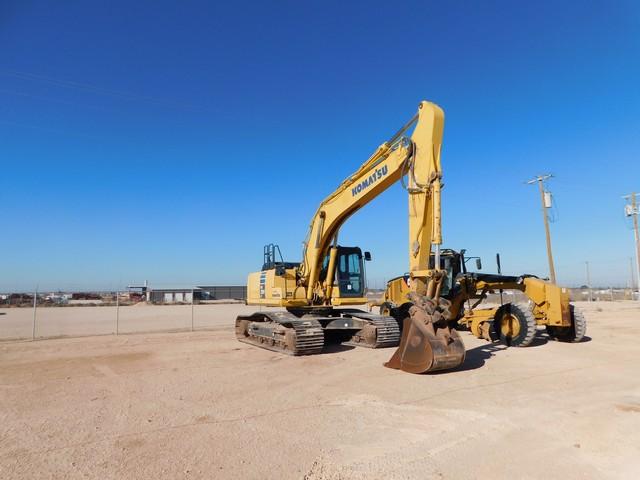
<point x="350" y="273"/>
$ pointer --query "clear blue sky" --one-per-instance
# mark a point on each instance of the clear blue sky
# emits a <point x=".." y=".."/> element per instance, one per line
<point x="170" y="140"/>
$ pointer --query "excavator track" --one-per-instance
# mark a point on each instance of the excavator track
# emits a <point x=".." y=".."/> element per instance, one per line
<point x="381" y="332"/>
<point x="288" y="333"/>
<point x="388" y="332"/>
<point x="281" y="332"/>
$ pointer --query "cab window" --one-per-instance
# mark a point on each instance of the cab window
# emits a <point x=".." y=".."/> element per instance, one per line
<point x="350" y="276"/>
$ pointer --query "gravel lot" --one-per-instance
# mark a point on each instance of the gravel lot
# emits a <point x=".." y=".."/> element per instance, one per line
<point x="201" y="405"/>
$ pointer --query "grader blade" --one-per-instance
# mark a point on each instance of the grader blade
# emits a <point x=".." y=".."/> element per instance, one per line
<point x="425" y="346"/>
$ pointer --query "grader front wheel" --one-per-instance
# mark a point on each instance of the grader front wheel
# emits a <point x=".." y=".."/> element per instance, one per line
<point x="515" y="325"/>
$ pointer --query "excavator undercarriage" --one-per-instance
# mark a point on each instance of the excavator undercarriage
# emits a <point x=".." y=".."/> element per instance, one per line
<point x="305" y="331"/>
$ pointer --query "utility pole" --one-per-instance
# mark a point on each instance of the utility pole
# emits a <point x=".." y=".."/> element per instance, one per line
<point x="588" y="280"/>
<point x="545" y="198"/>
<point x="631" y="210"/>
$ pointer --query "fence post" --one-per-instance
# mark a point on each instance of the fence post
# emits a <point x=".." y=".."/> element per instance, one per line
<point x="35" y="307"/>
<point x="192" y="309"/>
<point x="117" y="313"/>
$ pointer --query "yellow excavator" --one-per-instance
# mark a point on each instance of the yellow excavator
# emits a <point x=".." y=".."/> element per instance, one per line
<point x="317" y="292"/>
<point x="513" y="323"/>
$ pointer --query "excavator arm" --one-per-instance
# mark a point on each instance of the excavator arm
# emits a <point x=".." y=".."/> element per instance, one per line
<point x="416" y="158"/>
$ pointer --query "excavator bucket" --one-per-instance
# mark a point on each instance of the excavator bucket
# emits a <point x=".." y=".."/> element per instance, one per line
<point x="426" y="346"/>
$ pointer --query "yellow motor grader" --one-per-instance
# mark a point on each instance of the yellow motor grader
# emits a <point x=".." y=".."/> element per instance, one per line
<point x="513" y="323"/>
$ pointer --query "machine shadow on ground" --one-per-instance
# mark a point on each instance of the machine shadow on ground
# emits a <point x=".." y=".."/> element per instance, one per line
<point x="477" y="356"/>
<point x="547" y="338"/>
<point x="336" y="348"/>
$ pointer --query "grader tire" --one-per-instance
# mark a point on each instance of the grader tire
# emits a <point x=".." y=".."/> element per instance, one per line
<point x="573" y="334"/>
<point x="515" y="325"/>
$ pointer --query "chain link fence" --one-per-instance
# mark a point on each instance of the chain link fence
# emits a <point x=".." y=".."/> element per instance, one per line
<point x="39" y="316"/>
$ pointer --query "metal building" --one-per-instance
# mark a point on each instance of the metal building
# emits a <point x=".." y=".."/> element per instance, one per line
<point x="172" y="295"/>
<point x="196" y="294"/>
<point x="222" y="292"/>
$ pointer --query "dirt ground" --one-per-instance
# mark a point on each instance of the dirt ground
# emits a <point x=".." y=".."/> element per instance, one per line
<point x="201" y="405"/>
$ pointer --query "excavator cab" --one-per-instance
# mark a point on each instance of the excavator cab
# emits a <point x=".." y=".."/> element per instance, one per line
<point x="276" y="284"/>
<point x="350" y="278"/>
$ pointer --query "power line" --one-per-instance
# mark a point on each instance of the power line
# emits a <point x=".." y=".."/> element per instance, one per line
<point x="50" y="130"/>
<point x="96" y="89"/>
<point x="49" y="99"/>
